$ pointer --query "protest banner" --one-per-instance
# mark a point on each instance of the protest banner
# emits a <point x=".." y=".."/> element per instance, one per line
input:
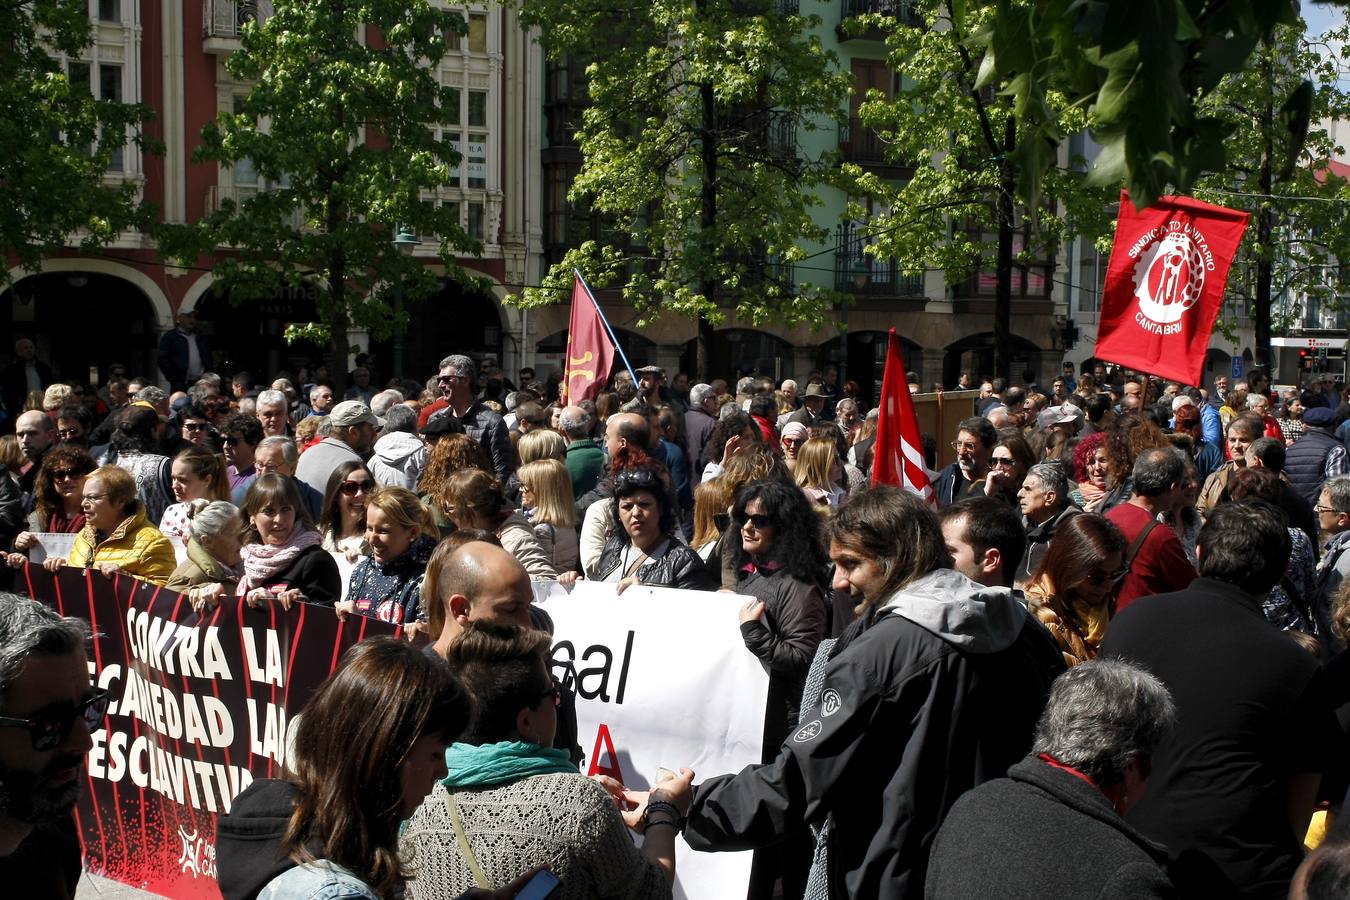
<point x="201" y="706"/>
<point x="663" y="679"/>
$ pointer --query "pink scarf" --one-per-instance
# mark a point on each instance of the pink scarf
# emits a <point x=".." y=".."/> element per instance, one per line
<point x="263" y="561"/>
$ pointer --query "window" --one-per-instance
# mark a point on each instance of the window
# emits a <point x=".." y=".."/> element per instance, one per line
<point x="468" y="107"/>
<point x="478" y="32"/>
<point x="475" y="226"/>
<point x="108" y="87"/>
<point x="244" y="173"/>
<point x="110" y="10"/>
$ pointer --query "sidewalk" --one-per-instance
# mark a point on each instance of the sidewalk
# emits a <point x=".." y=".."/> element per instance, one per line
<point x="93" y="887"/>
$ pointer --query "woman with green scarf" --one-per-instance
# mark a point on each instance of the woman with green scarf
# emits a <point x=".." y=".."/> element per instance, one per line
<point x="509" y="798"/>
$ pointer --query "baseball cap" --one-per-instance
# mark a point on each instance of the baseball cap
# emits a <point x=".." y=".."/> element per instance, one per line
<point x="353" y="412"/>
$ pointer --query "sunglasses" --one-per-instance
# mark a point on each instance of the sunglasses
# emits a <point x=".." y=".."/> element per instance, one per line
<point x="194" y="426"/>
<point x="1002" y="462"/>
<point x="635" y="478"/>
<point x="759" y="520"/>
<point x="48" y="730"/>
<point x="554" y="691"/>
<point x="1097" y="579"/>
<point x="65" y="474"/>
<point x="352" y="488"/>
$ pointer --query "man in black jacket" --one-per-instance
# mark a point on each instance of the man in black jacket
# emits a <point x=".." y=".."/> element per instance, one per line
<point x="936" y="689"/>
<point x="1054" y="826"/>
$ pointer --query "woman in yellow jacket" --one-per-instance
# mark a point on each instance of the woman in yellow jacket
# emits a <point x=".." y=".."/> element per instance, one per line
<point x="116" y="536"/>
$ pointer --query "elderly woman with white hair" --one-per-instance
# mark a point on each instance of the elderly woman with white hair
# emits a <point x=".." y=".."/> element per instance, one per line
<point x="1055" y="826"/>
<point x="211" y="569"/>
<point x="1260" y="404"/>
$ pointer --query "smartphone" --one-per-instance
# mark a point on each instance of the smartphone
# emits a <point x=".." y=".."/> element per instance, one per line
<point x="542" y="886"/>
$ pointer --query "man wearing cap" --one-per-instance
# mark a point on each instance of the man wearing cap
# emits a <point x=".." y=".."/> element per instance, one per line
<point x="183" y="354"/>
<point x="813" y="404"/>
<point x="352" y="437"/>
<point x="649" y="381"/>
<point x="1316" y="456"/>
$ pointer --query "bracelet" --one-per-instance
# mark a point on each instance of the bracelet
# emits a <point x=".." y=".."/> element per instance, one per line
<point x="662" y="806"/>
<point x="648" y="826"/>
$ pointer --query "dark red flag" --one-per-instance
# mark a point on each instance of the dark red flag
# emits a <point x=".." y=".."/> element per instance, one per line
<point x="898" y="454"/>
<point x="589" y="350"/>
<point x="1165" y="283"/>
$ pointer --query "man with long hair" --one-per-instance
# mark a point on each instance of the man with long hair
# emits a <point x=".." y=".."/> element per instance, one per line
<point x="935" y="689"/>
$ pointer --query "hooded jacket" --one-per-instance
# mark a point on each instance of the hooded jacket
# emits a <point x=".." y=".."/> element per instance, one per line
<point x="935" y="692"/>
<point x="398" y="461"/>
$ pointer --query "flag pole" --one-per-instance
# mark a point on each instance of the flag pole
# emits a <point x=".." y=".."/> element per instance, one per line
<point x="601" y="313"/>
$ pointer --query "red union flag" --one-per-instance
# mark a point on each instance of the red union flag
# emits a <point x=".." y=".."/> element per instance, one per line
<point x="589" y="351"/>
<point x="898" y="455"/>
<point x="1165" y="283"/>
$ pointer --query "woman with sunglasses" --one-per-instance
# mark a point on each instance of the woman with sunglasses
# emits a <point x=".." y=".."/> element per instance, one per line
<point x="57" y="491"/>
<point x="510" y="801"/>
<point x="197" y="474"/>
<point x="343" y="519"/>
<point x="1073" y="590"/>
<point x="1008" y="466"/>
<point x="117" y="536"/>
<point x="283" y="555"/>
<point x="643" y="549"/>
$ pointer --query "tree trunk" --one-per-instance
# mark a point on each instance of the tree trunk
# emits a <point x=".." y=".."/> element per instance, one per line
<point x="1265" y="222"/>
<point x="1004" y="265"/>
<point x="337" y="297"/>
<point x="707" y="223"/>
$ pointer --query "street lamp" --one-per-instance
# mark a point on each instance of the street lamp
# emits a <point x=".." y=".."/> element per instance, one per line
<point x="405" y="242"/>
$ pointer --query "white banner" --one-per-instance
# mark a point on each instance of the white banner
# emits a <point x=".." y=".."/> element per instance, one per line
<point x="663" y="680"/>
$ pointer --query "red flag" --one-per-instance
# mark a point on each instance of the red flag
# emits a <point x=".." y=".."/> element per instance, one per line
<point x="1165" y="283"/>
<point x="898" y="452"/>
<point x="589" y="351"/>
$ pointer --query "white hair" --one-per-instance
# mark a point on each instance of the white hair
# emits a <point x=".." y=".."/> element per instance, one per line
<point x="271" y="398"/>
<point x="211" y="518"/>
<point x="381" y="402"/>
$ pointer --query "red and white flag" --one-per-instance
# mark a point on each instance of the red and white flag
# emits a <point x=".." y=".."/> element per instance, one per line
<point x="1165" y="284"/>
<point x="898" y="453"/>
<point x="589" y="350"/>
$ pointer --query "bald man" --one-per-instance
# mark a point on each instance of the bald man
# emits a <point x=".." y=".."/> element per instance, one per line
<point x="481" y="582"/>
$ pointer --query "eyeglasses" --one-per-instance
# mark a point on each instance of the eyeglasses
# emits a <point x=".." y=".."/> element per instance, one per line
<point x="352" y="488"/>
<point x="958" y="446"/>
<point x="635" y="478"/>
<point x="554" y="691"/>
<point x="1097" y="579"/>
<point x="1326" y="509"/>
<point x="756" y="519"/>
<point x="194" y="426"/>
<point x="93" y="498"/>
<point x="1002" y="462"/>
<point x="442" y="379"/>
<point x="231" y="441"/>
<point x="48" y="730"/>
<point x="68" y="433"/>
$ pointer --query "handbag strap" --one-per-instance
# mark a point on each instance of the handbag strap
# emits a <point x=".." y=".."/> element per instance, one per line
<point x="1138" y="542"/>
<point x="479" y="878"/>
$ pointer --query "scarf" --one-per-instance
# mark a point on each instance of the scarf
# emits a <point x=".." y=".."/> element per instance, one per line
<point x="485" y="765"/>
<point x="263" y="562"/>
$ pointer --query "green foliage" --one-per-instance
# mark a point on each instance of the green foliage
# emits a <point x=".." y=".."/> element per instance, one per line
<point x="682" y="152"/>
<point x="964" y="131"/>
<point x="1272" y="150"/>
<point x="338" y="123"/>
<point x="1144" y="70"/>
<point x="53" y="190"/>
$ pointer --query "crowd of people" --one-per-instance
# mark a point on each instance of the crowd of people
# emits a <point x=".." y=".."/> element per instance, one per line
<point x="1110" y="662"/>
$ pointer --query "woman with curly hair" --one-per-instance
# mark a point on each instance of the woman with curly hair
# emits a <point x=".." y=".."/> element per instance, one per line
<point x="58" y="491"/>
<point x="448" y="455"/>
<point x="1090" y="466"/>
<point x="732" y="435"/>
<point x="1073" y="591"/>
<point x="1130" y="435"/>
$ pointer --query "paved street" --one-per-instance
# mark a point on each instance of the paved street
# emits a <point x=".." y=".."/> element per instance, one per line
<point x="92" y="887"/>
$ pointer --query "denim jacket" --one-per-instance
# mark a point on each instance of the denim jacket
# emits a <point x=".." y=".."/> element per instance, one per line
<point x="319" y="880"/>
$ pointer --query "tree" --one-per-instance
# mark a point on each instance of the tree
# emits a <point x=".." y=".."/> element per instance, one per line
<point x="56" y="140"/>
<point x="1292" y="241"/>
<point x="972" y="177"/>
<point x="689" y="147"/>
<point x="339" y="122"/>
<point x="1144" y="71"/>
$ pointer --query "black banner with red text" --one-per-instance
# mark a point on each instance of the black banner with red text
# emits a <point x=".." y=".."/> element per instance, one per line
<point x="201" y="706"/>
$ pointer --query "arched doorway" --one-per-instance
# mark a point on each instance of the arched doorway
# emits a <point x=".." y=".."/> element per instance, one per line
<point x="975" y="353"/>
<point x="1217" y="362"/>
<point x="736" y="352"/>
<point x="251" y="336"/>
<point x="82" y="322"/>
<point x="865" y="363"/>
<point x="458" y="318"/>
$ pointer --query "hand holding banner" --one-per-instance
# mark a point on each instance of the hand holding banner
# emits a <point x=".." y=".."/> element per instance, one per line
<point x="1165" y="284"/>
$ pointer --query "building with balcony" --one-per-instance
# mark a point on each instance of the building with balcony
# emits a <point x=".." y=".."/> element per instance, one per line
<point x="171" y="56"/>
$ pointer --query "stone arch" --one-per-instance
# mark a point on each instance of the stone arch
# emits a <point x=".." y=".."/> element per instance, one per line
<point x="159" y="301"/>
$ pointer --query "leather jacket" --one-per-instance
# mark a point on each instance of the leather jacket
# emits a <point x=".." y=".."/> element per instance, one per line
<point x="678" y="567"/>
